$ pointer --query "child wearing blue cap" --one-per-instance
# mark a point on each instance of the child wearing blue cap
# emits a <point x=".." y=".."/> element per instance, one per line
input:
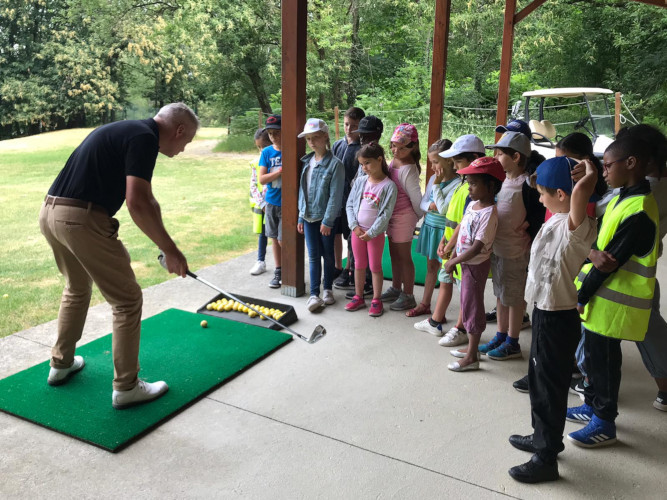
<point x="559" y="248"/>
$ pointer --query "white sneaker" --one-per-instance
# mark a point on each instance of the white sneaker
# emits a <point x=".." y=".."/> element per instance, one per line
<point x="258" y="268"/>
<point x="329" y="298"/>
<point x="453" y="337"/>
<point x="425" y="326"/>
<point x="314" y="303"/>
<point x="59" y="376"/>
<point x="143" y="392"/>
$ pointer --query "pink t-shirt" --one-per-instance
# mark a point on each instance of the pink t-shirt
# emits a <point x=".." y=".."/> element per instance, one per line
<point x="477" y="224"/>
<point x="370" y="203"/>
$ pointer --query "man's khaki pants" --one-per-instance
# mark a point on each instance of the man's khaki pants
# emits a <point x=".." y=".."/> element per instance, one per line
<point x="87" y="249"/>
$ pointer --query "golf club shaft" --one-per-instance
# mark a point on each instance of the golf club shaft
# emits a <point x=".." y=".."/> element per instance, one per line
<point x="207" y="283"/>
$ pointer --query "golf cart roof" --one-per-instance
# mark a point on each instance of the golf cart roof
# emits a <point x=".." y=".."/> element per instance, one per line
<point x="567" y="92"/>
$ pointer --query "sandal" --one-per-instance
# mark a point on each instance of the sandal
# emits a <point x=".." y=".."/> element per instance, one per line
<point x="419" y="310"/>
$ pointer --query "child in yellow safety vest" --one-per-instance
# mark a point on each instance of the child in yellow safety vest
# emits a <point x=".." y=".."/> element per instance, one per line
<point x="616" y="288"/>
<point x="257" y="204"/>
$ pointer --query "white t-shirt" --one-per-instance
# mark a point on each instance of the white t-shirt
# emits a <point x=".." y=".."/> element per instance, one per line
<point x="309" y="174"/>
<point x="555" y="260"/>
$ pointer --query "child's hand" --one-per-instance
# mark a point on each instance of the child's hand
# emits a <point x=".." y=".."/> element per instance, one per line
<point x="325" y="230"/>
<point x="449" y="267"/>
<point x="359" y="232"/>
<point x="580" y="309"/>
<point x="584" y="167"/>
<point x="433" y="207"/>
<point x="365" y="237"/>
<point x="299" y="227"/>
<point x="603" y="261"/>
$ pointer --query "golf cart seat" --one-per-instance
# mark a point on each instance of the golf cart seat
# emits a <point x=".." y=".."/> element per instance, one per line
<point x="545" y="128"/>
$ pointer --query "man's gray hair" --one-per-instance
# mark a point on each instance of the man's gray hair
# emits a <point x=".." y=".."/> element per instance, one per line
<point x="178" y="112"/>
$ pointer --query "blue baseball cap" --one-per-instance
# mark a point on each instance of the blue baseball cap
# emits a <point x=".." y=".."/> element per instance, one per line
<point x="515" y="126"/>
<point x="556" y="173"/>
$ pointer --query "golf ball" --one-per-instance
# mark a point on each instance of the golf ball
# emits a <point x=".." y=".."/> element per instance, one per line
<point x="204" y="323"/>
<point x="5" y="296"/>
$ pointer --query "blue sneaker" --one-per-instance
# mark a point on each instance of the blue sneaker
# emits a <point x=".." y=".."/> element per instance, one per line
<point x="495" y="342"/>
<point x="505" y="351"/>
<point x="581" y="414"/>
<point x="598" y="432"/>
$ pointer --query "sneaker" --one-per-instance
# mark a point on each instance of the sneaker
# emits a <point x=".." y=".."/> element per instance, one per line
<point x="60" y="376"/>
<point x="521" y="385"/>
<point x="453" y="337"/>
<point x="660" y="402"/>
<point x="491" y="315"/>
<point x="314" y="303"/>
<point x="377" y="308"/>
<point x="345" y="281"/>
<point x="277" y="279"/>
<point x="523" y="443"/>
<point x="368" y="292"/>
<point x="328" y="297"/>
<point x="356" y="304"/>
<point x="403" y="302"/>
<point x="426" y="326"/>
<point x="535" y="470"/>
<point x="337" y="273"/>
<point x="143" y="392"/>
<point x="581" y="414"/>
<point x="526" y="321"/>
<point x="597" y="433"/>
<point x="491" y="345"/>
<point x="577" y="386"/>
<point x="258" y="268"/>
<point x="505" y="351"/>
<point x="390" y="295"/>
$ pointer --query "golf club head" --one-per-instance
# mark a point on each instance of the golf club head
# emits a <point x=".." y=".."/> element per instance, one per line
<point x="317" y="334"/>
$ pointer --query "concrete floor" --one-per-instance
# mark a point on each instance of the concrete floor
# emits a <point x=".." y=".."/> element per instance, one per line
<point x="371" y="411"/>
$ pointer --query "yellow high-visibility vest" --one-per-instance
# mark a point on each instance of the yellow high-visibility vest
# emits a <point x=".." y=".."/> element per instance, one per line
<point x="622" y="305"/>
<point x="454" y="217"/>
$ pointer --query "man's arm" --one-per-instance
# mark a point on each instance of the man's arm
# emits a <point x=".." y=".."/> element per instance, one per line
<point x="145" y="212"/>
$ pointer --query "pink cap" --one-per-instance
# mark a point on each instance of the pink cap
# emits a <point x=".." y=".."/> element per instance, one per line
<point x="405" y="134"/>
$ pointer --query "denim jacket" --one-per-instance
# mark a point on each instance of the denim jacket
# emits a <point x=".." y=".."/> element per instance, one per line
<point x="324" y="198"/>
<point x="387" y="202"/>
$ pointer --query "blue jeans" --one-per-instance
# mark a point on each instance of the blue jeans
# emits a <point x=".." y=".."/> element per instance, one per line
<point x="262" y="241"/>
<point x="319" y="246"/>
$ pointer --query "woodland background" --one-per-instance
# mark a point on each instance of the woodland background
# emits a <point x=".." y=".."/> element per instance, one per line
<point x="81" y="63"/>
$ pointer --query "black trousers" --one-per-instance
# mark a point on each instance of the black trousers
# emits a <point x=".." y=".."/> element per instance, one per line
<point x="556" y="335"/>
<point x="602" y="361"/>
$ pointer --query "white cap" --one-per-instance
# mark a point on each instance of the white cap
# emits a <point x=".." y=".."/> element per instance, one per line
<point x="468" y="143"/>
<point x="314" y="125"/>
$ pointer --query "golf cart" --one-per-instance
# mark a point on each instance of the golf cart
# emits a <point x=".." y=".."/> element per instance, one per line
<point x="581" y="109"/>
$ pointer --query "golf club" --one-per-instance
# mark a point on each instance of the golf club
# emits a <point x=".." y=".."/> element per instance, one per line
<point x="317" y="334"/>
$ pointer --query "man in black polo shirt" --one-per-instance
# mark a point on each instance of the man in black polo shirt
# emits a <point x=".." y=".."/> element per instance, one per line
<point x="113" y="164"/>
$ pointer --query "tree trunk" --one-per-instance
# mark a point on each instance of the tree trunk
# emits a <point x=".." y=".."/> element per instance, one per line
<point x="355" y="54"/>
<point x="258" y="87"/>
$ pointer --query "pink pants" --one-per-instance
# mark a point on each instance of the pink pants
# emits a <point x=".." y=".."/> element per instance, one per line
<point x="365" y="251"/>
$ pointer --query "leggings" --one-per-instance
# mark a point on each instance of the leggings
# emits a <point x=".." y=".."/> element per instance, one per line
<point x="368" y="252"/>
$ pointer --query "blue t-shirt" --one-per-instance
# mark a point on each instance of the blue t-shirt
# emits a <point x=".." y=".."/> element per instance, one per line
<point x="272" y="159"/>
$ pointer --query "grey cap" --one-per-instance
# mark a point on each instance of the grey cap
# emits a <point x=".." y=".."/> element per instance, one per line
<point x="513" y="140"/>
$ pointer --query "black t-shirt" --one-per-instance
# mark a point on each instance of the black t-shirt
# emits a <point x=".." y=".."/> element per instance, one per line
<point x="97" y="169"/>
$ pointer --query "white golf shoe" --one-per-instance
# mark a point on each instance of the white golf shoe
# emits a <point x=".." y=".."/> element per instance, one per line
<point x="143" y="392"/>
<point x="59" y="376"/>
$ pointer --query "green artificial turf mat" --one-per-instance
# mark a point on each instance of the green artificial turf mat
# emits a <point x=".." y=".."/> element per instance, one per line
<point x="418" y="259"/>
<point x="174" y="348"/>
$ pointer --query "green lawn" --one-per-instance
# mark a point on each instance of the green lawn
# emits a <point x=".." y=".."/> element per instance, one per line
<point x="204" y="201"/>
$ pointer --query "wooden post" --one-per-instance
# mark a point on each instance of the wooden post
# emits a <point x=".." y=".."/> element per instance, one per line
<point x="438" y="74"/>
<point x="294" y="23"/>
<point x="617" y="113"/>
<point x="336" y="112"/>
<point x="505" y="64"/>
